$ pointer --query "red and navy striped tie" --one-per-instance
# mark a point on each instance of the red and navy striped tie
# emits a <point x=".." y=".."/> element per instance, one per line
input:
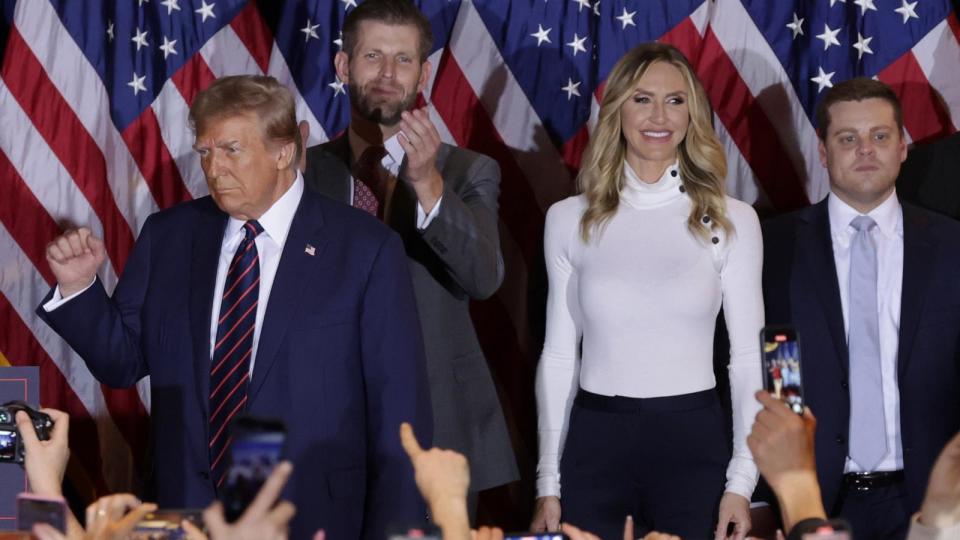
<point x="230" y="368"/>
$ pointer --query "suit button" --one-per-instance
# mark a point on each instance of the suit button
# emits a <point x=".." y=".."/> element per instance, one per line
<point x="844" y="385"/>
<point x="204" y="474"/>
<point x="907" y="450"/>
<point x="840" y="439"/>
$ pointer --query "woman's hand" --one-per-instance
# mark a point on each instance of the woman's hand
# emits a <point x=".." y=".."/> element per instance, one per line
<point x="546" y="515"/>
<point x="734" y="509"/>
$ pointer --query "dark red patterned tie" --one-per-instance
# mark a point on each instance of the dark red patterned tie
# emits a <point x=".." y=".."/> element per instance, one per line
<point x="230" y="368"/>
<point x="370" y="184"/>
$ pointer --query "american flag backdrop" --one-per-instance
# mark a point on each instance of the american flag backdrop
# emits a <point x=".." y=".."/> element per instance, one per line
<point x="94" y="97"/>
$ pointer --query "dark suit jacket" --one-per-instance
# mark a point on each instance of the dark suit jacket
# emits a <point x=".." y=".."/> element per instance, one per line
<point x="930" y="177"/>
<point x="453" y="260"/>
<point x="340" y="360"/>
<point x="800" y="288"/>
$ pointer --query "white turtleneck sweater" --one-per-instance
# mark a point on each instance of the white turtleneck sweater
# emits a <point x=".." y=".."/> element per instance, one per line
<point x="644" y="296"/>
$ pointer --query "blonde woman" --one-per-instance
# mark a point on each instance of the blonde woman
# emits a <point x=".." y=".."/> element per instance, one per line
<point x="639" y="266"/>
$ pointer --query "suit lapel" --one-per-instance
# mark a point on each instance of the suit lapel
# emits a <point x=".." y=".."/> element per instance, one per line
<point x="403" y="205"/>
<point x="816" y="249"/>
<point x="919" y="252"/>
<point x="207" y="240"/>
<point x="296" y="270"/>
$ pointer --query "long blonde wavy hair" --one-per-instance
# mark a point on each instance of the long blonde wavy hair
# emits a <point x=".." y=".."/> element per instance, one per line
<point x="701" y="159"/>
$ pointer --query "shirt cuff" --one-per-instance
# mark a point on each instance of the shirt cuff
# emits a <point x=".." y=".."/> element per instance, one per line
<point x="548" y="477"/>
<point x="58" y="300"/>
<point x="548" y="487"/>
<point x="742" y="477"/>
<point x="423" y="218"/>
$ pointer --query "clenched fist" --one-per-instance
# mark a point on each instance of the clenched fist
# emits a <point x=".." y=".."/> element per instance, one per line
<point x="74" y="258"/>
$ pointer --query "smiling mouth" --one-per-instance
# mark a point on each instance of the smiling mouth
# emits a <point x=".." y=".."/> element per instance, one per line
<point x="385" y="89"/>
<point x="656" y="134"/>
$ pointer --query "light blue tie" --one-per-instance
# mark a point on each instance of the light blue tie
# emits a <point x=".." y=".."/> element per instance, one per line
<point x="868" y="434"/>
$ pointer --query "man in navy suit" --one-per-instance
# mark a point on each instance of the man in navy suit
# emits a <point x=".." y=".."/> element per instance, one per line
<point x="267" y="299"/>
<point x="872" y="287"/>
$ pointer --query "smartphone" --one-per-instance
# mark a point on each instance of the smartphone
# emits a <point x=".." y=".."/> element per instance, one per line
<point x="165" y="525"/>
<point x="780" y="349"/>
<point x="256" y="449"/>
<point x="33" y="509"/>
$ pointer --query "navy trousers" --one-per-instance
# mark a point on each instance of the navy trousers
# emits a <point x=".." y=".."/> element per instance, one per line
<point x="661" y="460"/>
<point x="878" y="514"/>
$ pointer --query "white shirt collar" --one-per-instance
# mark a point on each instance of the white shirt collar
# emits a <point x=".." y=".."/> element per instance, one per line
<point x="887" y="215"/>
<point x="395" y="153"/>
<point x="277" y="219"/>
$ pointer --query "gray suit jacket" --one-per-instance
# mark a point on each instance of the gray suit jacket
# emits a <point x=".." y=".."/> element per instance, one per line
<point x="456" y="258"/>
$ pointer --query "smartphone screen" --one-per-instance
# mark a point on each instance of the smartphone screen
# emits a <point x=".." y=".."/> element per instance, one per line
<point x="256" y="449"/>
<point x="780" y="346"/>
<point x="33" y="509"/>
<point x="8" y="445"/>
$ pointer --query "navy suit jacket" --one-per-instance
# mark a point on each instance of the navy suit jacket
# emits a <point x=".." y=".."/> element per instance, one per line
<point x="800" y="288"/>
<point x="340" y="360"/>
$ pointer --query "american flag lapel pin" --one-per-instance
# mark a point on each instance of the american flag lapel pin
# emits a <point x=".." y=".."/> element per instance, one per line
<point x="310" y="250"/>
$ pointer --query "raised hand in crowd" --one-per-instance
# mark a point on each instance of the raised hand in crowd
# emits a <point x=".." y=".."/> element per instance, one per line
<point x="782" y="445"/>
<point x="115" y="516"/>
<point x="941" y="504"/>
<point x="264" y="519"/>
<point x="74" y="258"/>
<point x="46" y="461"/>
<point x="443" y="477"/>
<point x="109" y="518"/>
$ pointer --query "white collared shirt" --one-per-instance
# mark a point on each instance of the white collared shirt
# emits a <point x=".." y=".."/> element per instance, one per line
<point x="391" y="163"/>
<point x="276" y="224"/>
<point x="888" y="238"/>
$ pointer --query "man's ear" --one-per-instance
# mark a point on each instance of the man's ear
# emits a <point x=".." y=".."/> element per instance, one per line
<point x="822" y="150"/>
<point x="285" y="156"/>
<point x="341" y="63"/>
<point x="425" y="70"/>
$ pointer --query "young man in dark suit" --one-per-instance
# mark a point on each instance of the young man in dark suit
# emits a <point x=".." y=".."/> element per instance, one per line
<point x="871" y="285"/>
<point x="442" y="200"/>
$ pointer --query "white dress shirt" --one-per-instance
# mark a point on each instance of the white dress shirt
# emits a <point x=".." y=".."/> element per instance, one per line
<point x="888" y="238"/>
<point x="276" y="224"/>
<point x="391" y="163"/>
